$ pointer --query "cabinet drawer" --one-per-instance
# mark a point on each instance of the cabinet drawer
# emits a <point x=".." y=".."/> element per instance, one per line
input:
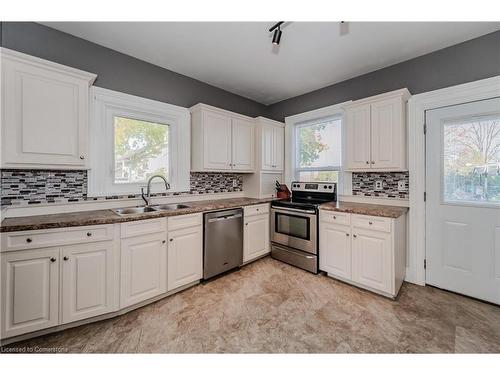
<point x="184" y="221"/>
<point x="372" y="222"/>
<point x="256" y="210"/>
<point x="55" y="237"/>
<point x="140" y="227"/>
<point x="335" y="217"/>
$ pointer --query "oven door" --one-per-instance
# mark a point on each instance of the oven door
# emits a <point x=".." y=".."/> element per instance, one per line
<point x="294" y="228"/>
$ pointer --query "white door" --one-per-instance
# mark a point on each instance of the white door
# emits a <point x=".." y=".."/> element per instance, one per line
<point x="335" y="250"/>
<point x="243" y="144"/>
<point x="358" y="137"/>
<point x="386" y="133"/>
<point x="87" y="280"/>
<point x="372" y="259"/>
<point x="268" y="147"/>
<point x="463" y="199"/>
<point x="185" y="256"/>
<point x="143" y="268"/>
<point x="279" y="148"/>
<point x="45" y="116"/>
<point x="30" y="291"/>
<point x="216" y="141"/>
<point x="255" y="237"/>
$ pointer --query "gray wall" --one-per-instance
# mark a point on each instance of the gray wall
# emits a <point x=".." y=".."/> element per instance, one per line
<point x="120" y="72"/>
<point x="469" y="61"/>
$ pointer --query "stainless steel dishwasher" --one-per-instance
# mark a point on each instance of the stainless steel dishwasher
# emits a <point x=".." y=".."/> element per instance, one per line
<point x="223" y="241"/>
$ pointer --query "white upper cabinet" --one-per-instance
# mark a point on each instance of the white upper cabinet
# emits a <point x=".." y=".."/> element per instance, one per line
<point x="376" y="133"/>
<point x="45" y="113"/>
<point x="270" y="142"/>
<point x="221" y="140"/>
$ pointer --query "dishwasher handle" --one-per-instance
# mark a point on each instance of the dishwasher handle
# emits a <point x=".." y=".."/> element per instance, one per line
<point x="228" y="217"/>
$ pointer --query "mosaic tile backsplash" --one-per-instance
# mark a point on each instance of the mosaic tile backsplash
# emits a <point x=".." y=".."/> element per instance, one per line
<point x="364" y="184"/>
<point x="29" y="187"/>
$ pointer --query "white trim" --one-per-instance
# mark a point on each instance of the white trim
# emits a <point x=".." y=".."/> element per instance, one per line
<point x="46" y="64"/>
<point x="292" y="121"/>
<point x="417" y="106"/>
<point x="107" y="103"/>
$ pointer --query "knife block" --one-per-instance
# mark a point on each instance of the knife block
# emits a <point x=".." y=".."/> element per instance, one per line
<point x="286" y="194"/>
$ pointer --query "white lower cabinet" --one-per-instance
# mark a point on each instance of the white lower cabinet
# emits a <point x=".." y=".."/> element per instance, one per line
<point x="256" y="232"/>
<point x="30" y="291"/>
<point x="185" y="256"/>
<point x="88" y="281"/>
<point x="335" y="253"/>
<point x="367" y="251"/>
<point x="143" y="268"/>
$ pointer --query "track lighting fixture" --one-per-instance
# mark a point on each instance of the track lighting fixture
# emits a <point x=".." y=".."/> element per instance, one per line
<point x="277" y="32"/>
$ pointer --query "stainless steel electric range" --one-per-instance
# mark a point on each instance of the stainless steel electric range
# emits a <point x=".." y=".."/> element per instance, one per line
<point x="294" y="224"/>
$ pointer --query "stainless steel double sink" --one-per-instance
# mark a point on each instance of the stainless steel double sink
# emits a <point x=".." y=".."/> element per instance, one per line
<point x="145" y="209"/>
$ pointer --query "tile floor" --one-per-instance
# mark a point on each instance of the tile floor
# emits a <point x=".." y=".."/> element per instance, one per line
<point x="271" y="307"/>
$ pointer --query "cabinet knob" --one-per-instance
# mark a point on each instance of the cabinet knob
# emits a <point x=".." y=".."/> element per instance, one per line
<point x="372" y="162"/>
<point x="171" y="239"/>
<point x="82" y="157"/>
<point x="53" y="260"/>
<point x="66" y="258"/>
<point x="246" y="223"/>
<point x="370" y="223"/>
<point x="347" y="234"/>
<point x="89" y="234"/>
<point x="367" y="162"/>
<point x="355" y="235"/>
<point x="29" y="240"/>
<point x="164" y="241"/>
<point x="335" y="217"/>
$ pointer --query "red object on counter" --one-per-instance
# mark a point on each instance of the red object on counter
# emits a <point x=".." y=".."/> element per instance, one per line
<point x="284" y="193"/>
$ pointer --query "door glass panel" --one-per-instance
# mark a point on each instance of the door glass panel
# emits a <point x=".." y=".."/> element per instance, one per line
<point x="292" y="225"/>
<point x="471" y="157"/>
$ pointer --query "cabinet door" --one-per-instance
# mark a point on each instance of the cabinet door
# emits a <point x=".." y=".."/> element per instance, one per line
<point x="216" y="141"/>
<point x="279" y="148"/>
<point x="335" y="250"/>
<point x="45" y="114"/>
<point x="268" y="148"/>
<point x="87" y="280"/>
<point x="255" y="237"/>
<point x="358" y="137"/>
<point x="388" y="138"/>
<point x="243" y="145"/>
<point x="143" y="268"/>
<point x="371" y="259"/>
<point x="185" y="256"/>
<point x="30" y="291"/>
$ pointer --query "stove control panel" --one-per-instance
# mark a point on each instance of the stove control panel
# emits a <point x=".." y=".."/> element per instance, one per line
<point x="319" y="187"/>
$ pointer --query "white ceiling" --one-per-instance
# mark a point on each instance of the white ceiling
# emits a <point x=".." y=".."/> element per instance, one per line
<point x="239" y="56"/>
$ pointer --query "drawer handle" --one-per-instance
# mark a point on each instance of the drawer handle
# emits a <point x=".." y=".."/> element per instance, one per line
<point x="370" y="223"/>
<point x="355" y="235"/>
<point x="66" y="258"/>
<point x="53" y="260"/>
<point x="29" y="240"/>
<point x="89" y="234"/>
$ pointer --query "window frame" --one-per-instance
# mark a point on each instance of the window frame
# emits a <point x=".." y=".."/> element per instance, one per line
<point x="297" y="169"/>
<point x="105" y="106"/>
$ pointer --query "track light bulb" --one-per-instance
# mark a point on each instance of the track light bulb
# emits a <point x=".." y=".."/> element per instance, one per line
<point x="277" y="36"/>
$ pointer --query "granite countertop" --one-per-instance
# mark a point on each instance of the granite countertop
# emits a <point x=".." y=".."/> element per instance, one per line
<point x="365" y="209"/>
<point x="96" y="217"/>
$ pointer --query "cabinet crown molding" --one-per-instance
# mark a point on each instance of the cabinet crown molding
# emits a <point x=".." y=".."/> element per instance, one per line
<point x="12" y="55"/>
<point x="201" y="106"/>
<point x="404" y="93"/>
<point x="269" y="121"/>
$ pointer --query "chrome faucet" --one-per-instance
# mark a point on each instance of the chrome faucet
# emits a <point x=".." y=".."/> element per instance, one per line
<point x="146" y="197"/>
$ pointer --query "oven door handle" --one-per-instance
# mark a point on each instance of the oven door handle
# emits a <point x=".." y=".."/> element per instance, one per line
<point x="277" y="208"/>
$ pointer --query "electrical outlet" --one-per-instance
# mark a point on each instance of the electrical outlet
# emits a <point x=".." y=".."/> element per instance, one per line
<point x="378" y="185"/>
<point x="235" y="182"/>
<point x="401" y="186"/>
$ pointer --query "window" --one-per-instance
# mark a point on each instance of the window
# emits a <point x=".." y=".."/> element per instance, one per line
<point x="318" y="146"/>
<point x="133" y="138"/>
<point x="471" y="158"/>
<point x="141" y="150"/>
